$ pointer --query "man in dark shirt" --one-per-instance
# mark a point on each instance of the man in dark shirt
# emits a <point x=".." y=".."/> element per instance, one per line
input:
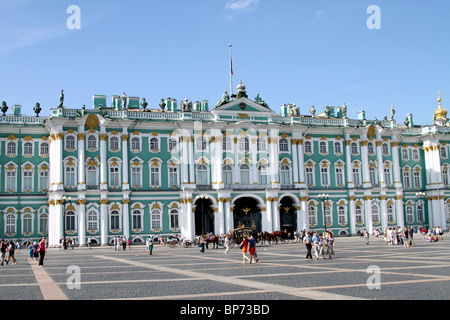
<point x="411" y="236"/>
<point x="3" y="247"/>
<point x="307" y="240"/>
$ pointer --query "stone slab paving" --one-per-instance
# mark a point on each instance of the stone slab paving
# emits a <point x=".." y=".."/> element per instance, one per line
<point x="283" y="273"/>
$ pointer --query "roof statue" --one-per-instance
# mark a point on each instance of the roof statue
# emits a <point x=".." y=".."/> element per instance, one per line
<point x="162" y="105"/>
<point x="344" y="111"/>
<point x="313" y="111"/>
<point x="241" y="93"/>
<point x="124" y="101"/>
<point x="392" y="113"/>
<point x="260" y="101"/>
<point x="225" y="99"/>
<point x="186" y="106"/>
<point x="37" y="109"/>
<point x="4" y="108"/>
<point x="61" y="100"/>
<point x="144" y="103"/>
<point x="294" y="111"/>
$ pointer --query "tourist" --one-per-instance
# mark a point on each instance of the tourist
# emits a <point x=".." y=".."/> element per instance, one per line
<point x="316" y="242"/>
<point x="226" y="244"/>
<point x="307" y="240"/>
<point x="202" y="244"/>
<point x="366" y="235"/>
<point x="252" y="249"/>
<point x="129" y="243"/>
<point x="149" y="244"/>
<point x="440" y="233"/>
<point x="244" y="247"/>
<point x="405" y="237"/>
<point x="3" y="248"/>
<point x="124" y="244"/>
<point x="42" y="251"/>
<point x="330" y="245"/>
<point x="411" y="237"/>
<point x="11" y="250"/>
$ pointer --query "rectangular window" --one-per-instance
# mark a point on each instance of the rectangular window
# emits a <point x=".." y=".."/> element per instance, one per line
<point x="156" y="220"/>
<point x="136" y="176"/>
<point x="114" y="177"/>
<point x="43" y="180"/>
<point x="173" y="177"/>
<point x="339" y="177"/>
<point x="70" y="176"/>
<point x="28" y="180"/>
<point x="11" y="180"/>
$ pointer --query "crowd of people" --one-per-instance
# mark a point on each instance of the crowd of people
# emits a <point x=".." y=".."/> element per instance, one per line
<point x="321" y="243"/>
<point x="404" y="236"/>
<point x="36" y="251"/>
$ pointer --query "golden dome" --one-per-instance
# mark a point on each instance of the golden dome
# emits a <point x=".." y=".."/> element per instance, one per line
<point x="440" y="113"/>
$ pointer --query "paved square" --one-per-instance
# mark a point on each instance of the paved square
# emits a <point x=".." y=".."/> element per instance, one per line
<point x="283" y="273"/>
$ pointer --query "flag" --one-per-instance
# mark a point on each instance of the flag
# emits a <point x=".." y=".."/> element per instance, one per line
<point x="231" y="64"/>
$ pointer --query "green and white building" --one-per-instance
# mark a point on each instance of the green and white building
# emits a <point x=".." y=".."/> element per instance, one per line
<point x="125" y="169"/>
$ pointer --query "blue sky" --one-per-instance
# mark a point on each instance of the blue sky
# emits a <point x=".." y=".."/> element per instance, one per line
<point x="307" y="52"/>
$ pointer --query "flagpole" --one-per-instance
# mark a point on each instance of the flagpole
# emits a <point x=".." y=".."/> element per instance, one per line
<point x="231" y="73"/>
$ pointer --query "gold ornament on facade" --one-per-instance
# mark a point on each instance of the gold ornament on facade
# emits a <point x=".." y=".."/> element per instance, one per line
<point x="440" y="113"/>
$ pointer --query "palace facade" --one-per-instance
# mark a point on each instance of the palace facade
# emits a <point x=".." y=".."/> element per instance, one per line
<point x="124" y="169"/>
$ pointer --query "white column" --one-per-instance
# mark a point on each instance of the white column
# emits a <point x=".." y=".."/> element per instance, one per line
<point x="219" y="160"/>
<point x="396" y="165"/>
<point x="236" y="175"/>
<point x="126" y="217"/>
<point x="125" y="178"/>
<point x="368" y="213"/>
<point x="190" y="219"/>
<point x="184" y="160"/>
<point x="365" y="164"/>
<point x="191" y="162"/>
<point x="269" y="216"/>
<point x="276" y="215"/>
<point x="212" y="152"/>
<point x="301" y="163"/>
<point x="399" y="211"/>
<point x="103" y="165"/>
<point x="229" y="221"/>
<point x="352" y="215"/>
<point x="219" y="222"/>
<point x="303" y="222"/>
<point x="81" y="162"/>
<point x="380" y="164"/>
<point x="383" y="209"/>
<point x="104" y="221"/>
<point x="81" y="222"/>
<point x="349" y="165"/>
<point x="295" y="161"/>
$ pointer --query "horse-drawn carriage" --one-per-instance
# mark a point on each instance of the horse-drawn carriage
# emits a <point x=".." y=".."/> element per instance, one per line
<point x="238" y="235"/>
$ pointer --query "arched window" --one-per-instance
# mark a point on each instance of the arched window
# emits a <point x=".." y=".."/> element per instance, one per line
<point x="115" y="220"/>
<point x="91" y="180"/>
<point x="92" y="220"/>
<point x="328" y="215"/>
<point x="201" y="144"/>
<point x="11" y="148"/>
<point x="244" y="145"/>
<point x="323" y="147"/>
<point x="409" y="214"/>
<point x="70" y="221"/>
<point x="28" y="149"/>
<point x="370" y="148"/>
<point x="174" y="224"/>
<point x="420" y="211"/>
<point x="226" y="144"/>
<point x="136" y="144"/>
<point x="284" y="145"/>
<point x="358" y="214"/>
<point x="385" y="148"/>
<point x="27" y="223"/>
<point x="337" y="148"/>
<point x="390" y="213"/>
<point x="202" y="175"/>
<point x="92" y="142"/>
<point x="173" y="175"/>
<point x="308" y="147"/>
<point x="262" y="175"/>
<point x="375" y="214"/>
<point x="341" y="215"/>
<point x="373" y="176"/>
<point x="154" y="144"/>
<point x="415" y="154"/>
<point x="312" y="215"/>
<point x="156" y="219"/>
<point x="354" y="148"/>
<point x="154" y="176"/>
<point x="44" y="149"/>
<point x="285" y="175"/>
<point x="136" y="220"/>
<point x="227" y="174"/>
<point x="43" y="223"/>
<point x="114" y="143"/>
<point x="444" y="154"/>
<point x="10" y="223"/>
<point x="70" y="143"/>
<point x="245" y="174"/>
<point x="173" y="145"/>
<point x="261" y="145"/>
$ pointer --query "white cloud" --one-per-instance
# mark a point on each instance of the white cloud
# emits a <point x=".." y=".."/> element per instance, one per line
<point x="318" y="14"/>
<point x="242" y="5"/>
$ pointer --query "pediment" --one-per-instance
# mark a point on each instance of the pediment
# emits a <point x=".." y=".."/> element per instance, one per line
<point x="242" y="105"/>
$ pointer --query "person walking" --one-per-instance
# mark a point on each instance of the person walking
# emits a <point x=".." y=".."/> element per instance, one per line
<point x="366" y="235"/>
<point x="330" y="245"/>
<point x="3" y="248"/>
<point x="307" y="240"/>
<point x="31" y="251"/>
<point x="405" y="236"/>
<point x="202" y="243"/>
<point x="129" y="243"/>
<point x="244" y="247"/>
<point x="411" y="237"/>
<point x="11" y="251"/>
<point x="150" y="246"/>
<point x="42" y="250"/>
<point x="316" y="242"/>
<point x="226" y="244"/>
<point x="252" y="249"/>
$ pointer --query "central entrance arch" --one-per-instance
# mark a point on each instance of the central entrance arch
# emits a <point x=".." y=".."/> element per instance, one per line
<point x="288" y="215"/>
<point x="247" y="213"/>
<point x="204" y="216"/>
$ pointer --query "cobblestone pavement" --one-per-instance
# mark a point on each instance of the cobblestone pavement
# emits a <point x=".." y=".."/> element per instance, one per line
<point x="283" y="273"/>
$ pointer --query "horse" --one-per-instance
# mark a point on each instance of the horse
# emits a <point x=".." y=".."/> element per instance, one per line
<point x="212" y="239"/>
